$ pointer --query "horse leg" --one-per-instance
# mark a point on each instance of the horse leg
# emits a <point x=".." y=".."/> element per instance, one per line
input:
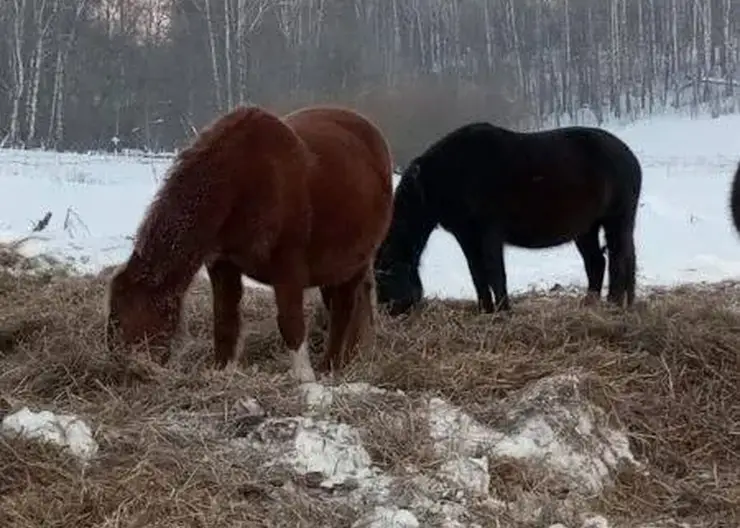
<point x="594" y="262"/>
<point x="292" y="326"/>
<point x="473" y="252"/>
<point x="226" y="287"/>
<point x="336" y="321"/>
<point x="493" y="258"/>
<point x="350" y="305"/>
<point x="363" y="322"/>
<point x="370" y="288"/>
<point x="630" y="268"/>
<point x="621" y="246"/>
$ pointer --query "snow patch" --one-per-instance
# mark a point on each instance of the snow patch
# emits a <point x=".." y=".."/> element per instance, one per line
<point x="551" y="423"/>
<point x="318" y="397"/>
<point x="595" y="521"/>
<point x="330" y="452"/>
<point x="468" y="473"/>
<point x="384" y="517"/>
<point x="64" y="430"/>
<point x="17" y="258"/>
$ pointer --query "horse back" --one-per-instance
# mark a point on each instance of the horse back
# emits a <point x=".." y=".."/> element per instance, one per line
<point x="348" y="184"/>
<point x="323" y="128"/>
<point x="541" y="188"/>
<point x="553" y="188"/>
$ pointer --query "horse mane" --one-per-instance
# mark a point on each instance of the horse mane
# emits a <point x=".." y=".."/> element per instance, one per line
<point x="412" y="222"/>
<point x="196" y="196"/>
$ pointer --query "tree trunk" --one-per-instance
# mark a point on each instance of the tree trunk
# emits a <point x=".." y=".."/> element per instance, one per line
<point x="19" y="69"/>
<point x="37" y="61"/>
<point x="227" y="55"/>
<point x="214" y="57"/>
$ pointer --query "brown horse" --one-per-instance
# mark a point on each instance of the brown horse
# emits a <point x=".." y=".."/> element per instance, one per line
<point x="294" y="202"/>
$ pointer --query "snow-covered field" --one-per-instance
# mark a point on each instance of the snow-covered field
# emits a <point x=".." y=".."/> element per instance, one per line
<point x="684" y="232"/>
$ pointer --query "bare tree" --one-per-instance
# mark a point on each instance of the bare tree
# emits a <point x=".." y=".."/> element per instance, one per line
<point x="19" y="68"/>
<point x="42" y="24"/>
<point x="75" y="72"/>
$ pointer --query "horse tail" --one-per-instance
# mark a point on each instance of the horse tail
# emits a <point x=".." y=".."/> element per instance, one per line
<point x="625" y="164"/>
<point x="735" y="199"/>
<point x="627" y="178"/>
<point x="181" y="224"/>
<point x="616" y="157"/>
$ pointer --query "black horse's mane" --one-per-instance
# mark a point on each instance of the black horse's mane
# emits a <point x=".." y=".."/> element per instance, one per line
<point x="412" y="223"/>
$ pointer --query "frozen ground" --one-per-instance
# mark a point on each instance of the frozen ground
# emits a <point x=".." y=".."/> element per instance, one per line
<point x="567" y="437"/>
<point x="683" y="234"/>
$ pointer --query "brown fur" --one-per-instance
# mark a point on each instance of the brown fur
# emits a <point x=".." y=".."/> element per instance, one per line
<point x="294" y="202"/>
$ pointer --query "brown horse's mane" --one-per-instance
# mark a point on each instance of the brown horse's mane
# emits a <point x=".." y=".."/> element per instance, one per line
<point x="179" y="220"/>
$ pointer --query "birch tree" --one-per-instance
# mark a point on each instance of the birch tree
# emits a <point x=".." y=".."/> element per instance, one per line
<point x="19" y="68"/>
<point x="42" y="25"/>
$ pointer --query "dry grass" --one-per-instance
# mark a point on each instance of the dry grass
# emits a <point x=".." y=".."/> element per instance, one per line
<point x="668" y="371"/>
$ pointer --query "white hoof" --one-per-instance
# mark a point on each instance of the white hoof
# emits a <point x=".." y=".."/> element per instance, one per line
<point x="301" y="368"/>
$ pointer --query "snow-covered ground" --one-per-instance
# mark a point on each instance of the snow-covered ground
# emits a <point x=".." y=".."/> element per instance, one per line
<point x="566" y="436"/>
<point x="683" y="235"/>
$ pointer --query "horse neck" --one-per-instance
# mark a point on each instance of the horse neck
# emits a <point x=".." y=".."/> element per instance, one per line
<point x="159" y="272"/>
<point x="411" y="227"/>
<point x="170" y="244"/>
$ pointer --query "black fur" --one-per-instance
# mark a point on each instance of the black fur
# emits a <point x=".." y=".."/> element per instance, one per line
<point x="489" y="186"/>
<point x="735" y="199"/>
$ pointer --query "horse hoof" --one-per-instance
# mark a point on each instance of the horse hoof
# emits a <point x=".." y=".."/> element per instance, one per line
<point x="591" y="299"/>
<point x="304" y="377"/>
<point x="303" y="374"/>
<point x="325" y="366"/>
<point x="219" y="364"/>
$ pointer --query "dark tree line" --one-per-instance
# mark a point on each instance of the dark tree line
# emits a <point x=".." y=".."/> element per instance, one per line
<point x="74" y="74"/>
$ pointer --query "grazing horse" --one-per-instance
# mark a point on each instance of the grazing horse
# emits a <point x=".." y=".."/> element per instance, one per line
<point x="735" y="199"/>
<point x="294" y="202"/>
<point x="489" y="186"/>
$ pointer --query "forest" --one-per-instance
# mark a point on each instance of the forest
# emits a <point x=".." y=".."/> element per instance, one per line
<point x="147" y="74"/>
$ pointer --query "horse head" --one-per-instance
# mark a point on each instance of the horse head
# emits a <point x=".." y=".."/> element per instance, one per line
<point x="398" y="288"/>
<point x="137" y="317"/>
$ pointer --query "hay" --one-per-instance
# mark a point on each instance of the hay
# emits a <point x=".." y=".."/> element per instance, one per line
<point x="669" y="372"/>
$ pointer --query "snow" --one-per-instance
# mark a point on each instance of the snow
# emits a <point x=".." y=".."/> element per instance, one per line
<point x="318" y="397"/>
<point x="96" y="202"/>
<point x="683" y="234"/>
<point x="61" y="429"/>
<point x="597" y="521"/>
<point x="384" y="517"/>
<point x="331" y="451"/>
<point x="548" y="424"/>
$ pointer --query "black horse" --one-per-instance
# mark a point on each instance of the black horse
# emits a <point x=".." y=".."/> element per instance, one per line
<point x="735" y="199"/>
<point x="489" y="186"/>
